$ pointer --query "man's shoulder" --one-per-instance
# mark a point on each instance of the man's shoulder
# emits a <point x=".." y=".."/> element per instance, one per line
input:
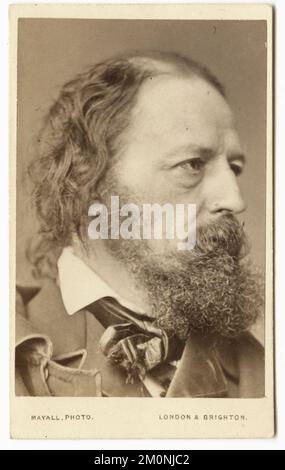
<point x="40" y="308"/>
<point x="68" y="343"/>
<point x="27" y="294"/>
<point x="50" y="346"/>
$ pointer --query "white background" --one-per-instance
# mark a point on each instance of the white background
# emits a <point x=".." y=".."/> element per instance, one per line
<point x="278" y="442"/>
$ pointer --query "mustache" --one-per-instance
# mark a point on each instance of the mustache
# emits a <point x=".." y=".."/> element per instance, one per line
<point x="224" y="234"/>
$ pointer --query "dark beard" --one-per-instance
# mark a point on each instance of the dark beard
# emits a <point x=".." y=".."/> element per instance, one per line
<point x="208" y="290"/>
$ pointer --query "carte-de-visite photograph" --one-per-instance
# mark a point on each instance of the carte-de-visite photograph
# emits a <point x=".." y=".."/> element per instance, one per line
<point x="142" y="159"/>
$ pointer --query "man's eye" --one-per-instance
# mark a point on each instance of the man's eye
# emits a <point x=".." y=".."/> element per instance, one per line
<point x="195" y="165"/>
<point x="237" y="169"/>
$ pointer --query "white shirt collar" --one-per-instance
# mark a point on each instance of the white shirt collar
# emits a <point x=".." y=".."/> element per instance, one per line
<point x="80" y="285"/>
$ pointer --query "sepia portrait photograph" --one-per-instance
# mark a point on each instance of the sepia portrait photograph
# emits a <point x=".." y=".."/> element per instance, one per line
<point x="143" y="220"/>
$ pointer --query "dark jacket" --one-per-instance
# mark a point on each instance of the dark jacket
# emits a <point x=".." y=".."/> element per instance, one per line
<point x="58" y="355"/>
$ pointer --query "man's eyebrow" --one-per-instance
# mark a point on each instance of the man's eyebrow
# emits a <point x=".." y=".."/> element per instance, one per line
<point x="206" y="153"/>
<point x="200" y="151"/>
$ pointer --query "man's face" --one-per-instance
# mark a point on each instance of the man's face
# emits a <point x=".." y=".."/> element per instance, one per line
<point x="181" y="147"/>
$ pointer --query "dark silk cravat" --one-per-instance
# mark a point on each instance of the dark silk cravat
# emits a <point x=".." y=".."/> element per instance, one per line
<point x="132" y="340"/>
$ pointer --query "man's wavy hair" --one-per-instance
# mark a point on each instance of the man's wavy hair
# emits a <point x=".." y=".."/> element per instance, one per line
<point x="80" y="136"/>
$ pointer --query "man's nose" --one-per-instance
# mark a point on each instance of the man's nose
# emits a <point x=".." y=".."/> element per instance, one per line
<point x="224" y="195"/>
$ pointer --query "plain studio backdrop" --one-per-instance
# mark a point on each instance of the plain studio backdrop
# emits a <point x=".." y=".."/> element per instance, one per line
<point x="52" y="51"/>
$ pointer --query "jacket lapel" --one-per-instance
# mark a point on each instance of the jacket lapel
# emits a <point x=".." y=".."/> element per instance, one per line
<point x="199" y="373"/>
<point x="222" y="368"/>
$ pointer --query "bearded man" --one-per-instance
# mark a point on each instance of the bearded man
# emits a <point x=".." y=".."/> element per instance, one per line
<point x="127" y="316"/>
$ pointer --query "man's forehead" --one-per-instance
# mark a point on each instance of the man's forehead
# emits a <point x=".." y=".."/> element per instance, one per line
<point x="169" y="101"/>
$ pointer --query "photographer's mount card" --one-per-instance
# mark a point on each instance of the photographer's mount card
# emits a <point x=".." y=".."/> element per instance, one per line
<point x="141" y="197"/>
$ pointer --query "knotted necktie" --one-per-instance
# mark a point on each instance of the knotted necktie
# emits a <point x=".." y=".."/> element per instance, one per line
<point x="132" y="340"/>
